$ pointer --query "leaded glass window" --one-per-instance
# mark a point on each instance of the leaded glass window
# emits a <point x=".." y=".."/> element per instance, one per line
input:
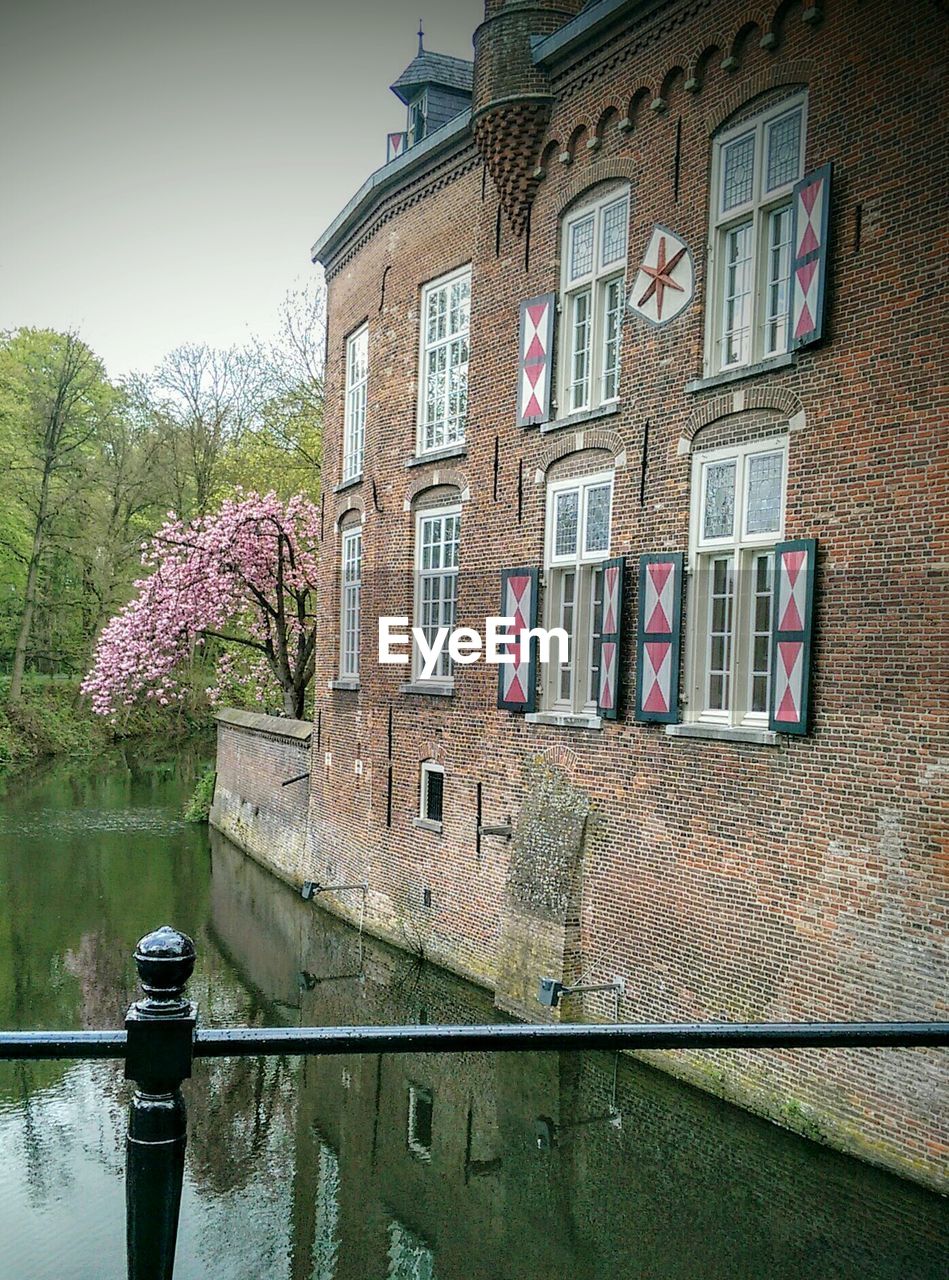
<point x="755" y="167"/>
<point x="738" y="516"/>
<point x="436" y="589"/>
<point x="594" y="273"/>
<point x="579" y="517"/>
<point x="354" y="426"/>
<point x="445" y="323"/>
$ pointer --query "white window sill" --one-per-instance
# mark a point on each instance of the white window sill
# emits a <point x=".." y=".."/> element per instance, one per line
<point x="581" y="416"/>
<point x="345" y="682"/>
<point x="723" y="733"/>
<point x="428" y="689"/>
<point x="564" y="720"/>
<point x="783" y="361"/>
<point x="426" y="824"/>
<point x="438" y="455"/>
<point x="348" y="484"/>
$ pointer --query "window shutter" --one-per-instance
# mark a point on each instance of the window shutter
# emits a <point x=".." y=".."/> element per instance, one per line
<point x="396" y="145"/>
<point x="809" y="257"/>
<point x="794" y="564"/>
<point x="534" y="371"/>
<point x="517" y="679"/>
<point x="611" y="635"/>
<point x="657" y="638"/>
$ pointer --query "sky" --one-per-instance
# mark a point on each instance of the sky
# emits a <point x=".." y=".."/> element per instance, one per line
<point x="165" y="165"/>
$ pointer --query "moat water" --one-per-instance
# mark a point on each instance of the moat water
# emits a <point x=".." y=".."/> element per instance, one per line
<point x="552" y="1166"/>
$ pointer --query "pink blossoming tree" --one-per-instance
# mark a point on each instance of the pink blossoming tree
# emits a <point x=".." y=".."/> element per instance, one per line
<point x="245" y="576"/>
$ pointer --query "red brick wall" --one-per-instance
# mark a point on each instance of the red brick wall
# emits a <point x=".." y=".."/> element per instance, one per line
<point x="721" y="879"/>
<point x="251" y="806"/>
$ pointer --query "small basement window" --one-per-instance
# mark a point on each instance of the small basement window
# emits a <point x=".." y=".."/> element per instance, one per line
<point x="432" y="792"/>
<point x="420" y="1122"/>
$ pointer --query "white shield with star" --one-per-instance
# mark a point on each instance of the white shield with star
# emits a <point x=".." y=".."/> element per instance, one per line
<point x="665" y="282"/>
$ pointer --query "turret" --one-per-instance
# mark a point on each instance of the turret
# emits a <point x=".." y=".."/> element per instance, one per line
<point x="434" y="88"/>
<point x="511" y="103"/>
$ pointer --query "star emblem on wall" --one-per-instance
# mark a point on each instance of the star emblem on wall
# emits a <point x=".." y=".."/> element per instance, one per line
<point x="665" y="282"/>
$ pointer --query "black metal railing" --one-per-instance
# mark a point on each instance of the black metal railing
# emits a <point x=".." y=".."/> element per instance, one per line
<point x="162" y="1038"/>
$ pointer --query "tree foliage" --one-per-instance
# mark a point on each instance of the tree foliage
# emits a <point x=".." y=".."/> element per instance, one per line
<point x="89" y="468"/>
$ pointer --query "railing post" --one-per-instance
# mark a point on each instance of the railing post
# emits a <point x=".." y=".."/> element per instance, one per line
<point x="158" y="1057"/>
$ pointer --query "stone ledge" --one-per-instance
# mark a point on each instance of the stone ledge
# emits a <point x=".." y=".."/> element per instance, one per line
<point x="724" y="733"/>
<point x="426" y="824"/>
<point x="257" y="722"/>
<point x="785" y="361"/>
<point x="428" y="690"/>
<point x="561" y="720"/>
<point x="581" y="416"/>
<point x="437" y="455"/>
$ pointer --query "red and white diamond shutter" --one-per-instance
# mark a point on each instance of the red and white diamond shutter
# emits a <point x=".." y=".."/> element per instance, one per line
<point x="517" y="679"/>
<point x="535" y="364"/>
<point x="611" y="636"/>
<point x="657" y="637"/>
<point x="809" y="257"/>
<point x="791" y="632"/>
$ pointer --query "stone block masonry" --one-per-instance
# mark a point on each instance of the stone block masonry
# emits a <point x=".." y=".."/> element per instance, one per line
<point x="256" y="755"/>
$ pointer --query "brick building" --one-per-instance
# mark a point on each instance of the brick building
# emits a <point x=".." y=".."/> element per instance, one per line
<point x="636" y="334"/>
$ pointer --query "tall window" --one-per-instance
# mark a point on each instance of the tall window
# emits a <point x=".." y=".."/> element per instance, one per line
<point x="737" y="517"/>
<point x="350" y="604"/>
<point x="755" y="166"/>
<point x="354" y="428"/>
<point x="436" y="581"/>
<point x="446" y="307"/>
<point x="578" y="541"/>
<point x="431" y="792"/>
<point x="593" y="278"/>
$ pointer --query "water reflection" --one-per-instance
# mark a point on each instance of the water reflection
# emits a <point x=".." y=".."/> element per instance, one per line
<point x="411" y="1167"/>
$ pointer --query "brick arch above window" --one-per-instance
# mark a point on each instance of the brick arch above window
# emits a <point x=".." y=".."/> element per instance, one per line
<point x="592" y="175"/>
<point x="431" y="750"/>
<point x="437" y="478"/>
<point x="789" y="75"/>
<point x="776" y="399"/>
<point x="600" y="438"/>
<point x="350" y="510"/>
<point x="560" y="759"/>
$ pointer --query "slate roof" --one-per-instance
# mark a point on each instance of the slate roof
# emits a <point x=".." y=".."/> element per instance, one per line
<point x="434" y="68"/>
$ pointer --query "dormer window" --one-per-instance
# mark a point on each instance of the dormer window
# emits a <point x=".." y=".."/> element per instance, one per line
<point x="417" y="117"/>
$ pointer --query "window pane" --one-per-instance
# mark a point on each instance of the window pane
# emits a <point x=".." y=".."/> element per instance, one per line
<point x="719" y="519"/>
<point x="581" y="332"/>
<point x="612" y="319"/>
<point x="597" y="531"/>
<point x="737" y="295"/>
<point x="581" y="248"/>
<point x="779" y="274"/>
<point x="763" y="511"/>
<point x="613" y="232"/>
<point x="761" y="634"/>
<point x="784" y="150"/>
<point x="434" y="794"/>
<point x="445" y="407"/>
<point x="738" y="163"/>
<point x="719" y="634"/>
<point x="566" y="511"/>
<point x="568" y="585"/>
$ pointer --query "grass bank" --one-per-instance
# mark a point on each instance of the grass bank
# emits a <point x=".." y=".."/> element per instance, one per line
<point x="53" y="719"/>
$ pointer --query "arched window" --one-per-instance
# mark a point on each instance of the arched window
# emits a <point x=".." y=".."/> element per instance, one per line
<point x="593" y="275"/>
<point x="755" y="165"/>
<point x="579" y="519"/>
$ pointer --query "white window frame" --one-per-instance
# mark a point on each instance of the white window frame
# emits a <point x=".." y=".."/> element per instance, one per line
<point x="354" y="423"/>
<point x="428" y="767"/>
<point x="742" y="550"/>
<point x="602" y="290"/>
<point x="443" y="676"/>
<point x="420" y="100"/>
<point x="578" y="617"/>
<point x="350" y="602"/>
<point x="759" y="213"/>
<point x="442" y="430"/>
